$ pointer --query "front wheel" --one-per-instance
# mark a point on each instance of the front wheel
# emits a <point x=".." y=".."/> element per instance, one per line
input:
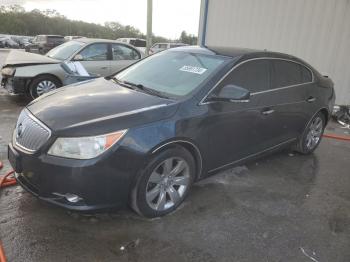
<point x="164" y="183"/>
<point x="312" y="134"/>
<point x="42" y="85"/>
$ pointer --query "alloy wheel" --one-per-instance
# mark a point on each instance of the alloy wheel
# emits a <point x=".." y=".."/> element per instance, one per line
<point x="168" y="184"/>
<point x="315" y="133"/>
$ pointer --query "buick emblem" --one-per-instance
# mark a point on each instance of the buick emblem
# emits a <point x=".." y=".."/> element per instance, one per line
<point x="20" y="130"/>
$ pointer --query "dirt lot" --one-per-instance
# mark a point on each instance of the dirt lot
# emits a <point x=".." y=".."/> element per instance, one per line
<point x="284" y="207"/>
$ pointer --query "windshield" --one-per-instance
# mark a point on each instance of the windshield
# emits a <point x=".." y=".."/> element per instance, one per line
<point x="64" y="51"/>
<point x="173" y="73"/>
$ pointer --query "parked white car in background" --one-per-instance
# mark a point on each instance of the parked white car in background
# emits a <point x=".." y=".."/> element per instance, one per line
<point x="139" y="43"/>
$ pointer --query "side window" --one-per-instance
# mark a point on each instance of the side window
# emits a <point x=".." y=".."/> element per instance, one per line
<point x="253" y="75"/>
<point x="163" y="46"/>
<point x="95" y="52"/>
<point x="122" y="52"/>
<point x="306" y="75"/>
<point x="288" y="73"/>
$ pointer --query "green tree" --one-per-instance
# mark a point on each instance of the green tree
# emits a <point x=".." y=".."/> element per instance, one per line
<point x="189" y="39"/>
<point x="15" y="20"/>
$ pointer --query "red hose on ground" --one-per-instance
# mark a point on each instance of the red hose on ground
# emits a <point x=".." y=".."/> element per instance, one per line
<point x="5" y="181"/>
<point x="338" y="137"/>
<point x="2" y="254"/>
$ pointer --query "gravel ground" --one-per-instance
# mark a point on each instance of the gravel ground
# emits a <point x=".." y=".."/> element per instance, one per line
<point x="284" y="207"/>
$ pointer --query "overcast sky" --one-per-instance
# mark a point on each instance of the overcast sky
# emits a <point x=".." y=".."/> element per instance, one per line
<point x="170" y="17"/>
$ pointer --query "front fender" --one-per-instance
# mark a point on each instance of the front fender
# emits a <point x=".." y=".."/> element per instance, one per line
<point x="35" y="70"/>
<point x="146" y="138"/>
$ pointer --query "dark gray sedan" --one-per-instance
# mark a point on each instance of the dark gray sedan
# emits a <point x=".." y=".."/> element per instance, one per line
<point x="146" y="134"/>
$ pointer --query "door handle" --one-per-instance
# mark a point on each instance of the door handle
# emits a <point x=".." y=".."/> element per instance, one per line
<point x="268" y="112"/>
<point x="105" y="67"/>
<point x="311" y="99"/>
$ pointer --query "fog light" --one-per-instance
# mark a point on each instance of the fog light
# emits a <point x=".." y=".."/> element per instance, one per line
<point x="69" y="197"/>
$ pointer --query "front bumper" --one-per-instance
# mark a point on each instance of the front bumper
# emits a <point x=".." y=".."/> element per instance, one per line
<point x="14" y="85"/>
<point x="100" y="183"/>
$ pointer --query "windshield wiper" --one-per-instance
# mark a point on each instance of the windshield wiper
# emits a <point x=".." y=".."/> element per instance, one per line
<point x="142" y="88"/>
<point x="123" y="83"/>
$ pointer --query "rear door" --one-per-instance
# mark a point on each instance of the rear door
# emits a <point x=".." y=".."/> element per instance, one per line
<point x="286" y="99"/>
<point x="95" y="59"/>
<point x="122" y="56"/>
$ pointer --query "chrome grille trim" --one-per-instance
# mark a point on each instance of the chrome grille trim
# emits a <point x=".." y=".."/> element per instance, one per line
<point x="34" y="135"/>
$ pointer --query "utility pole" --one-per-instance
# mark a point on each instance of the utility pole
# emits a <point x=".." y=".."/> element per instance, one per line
<point x="149" y="25"/>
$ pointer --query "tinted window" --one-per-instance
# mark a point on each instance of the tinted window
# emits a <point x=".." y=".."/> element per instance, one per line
<point x="253" y="75"/>
<point x="55" y="38"/>
<point x="289" y="73"/>
<point x="138" y="43"/>
<point x="121" y="52"/>
<point x="306" y="75"/>
<point x="95" y="52"/>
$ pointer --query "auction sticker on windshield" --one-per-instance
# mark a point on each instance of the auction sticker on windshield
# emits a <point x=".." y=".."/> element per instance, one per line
<point x="193" y="69"/>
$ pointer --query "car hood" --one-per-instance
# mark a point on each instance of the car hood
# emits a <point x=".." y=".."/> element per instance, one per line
<point x="20" y="58"/>
<point x="98" y="106"/>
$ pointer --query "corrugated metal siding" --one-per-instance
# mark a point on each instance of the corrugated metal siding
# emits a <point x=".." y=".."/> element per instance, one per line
<point x="317" y="31"/>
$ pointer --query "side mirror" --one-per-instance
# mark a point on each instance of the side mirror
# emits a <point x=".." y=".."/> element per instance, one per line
<point x="78" y="57"/>
<point x="232" y="93"/>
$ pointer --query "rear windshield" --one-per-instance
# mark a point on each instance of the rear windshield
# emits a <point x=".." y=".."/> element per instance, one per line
<point x="138" y="43"/>
<point x="65" y="50"/>
<point x="172" y="73"/>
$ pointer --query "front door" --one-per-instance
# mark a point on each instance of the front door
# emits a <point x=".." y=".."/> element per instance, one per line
<point x="236" y="130"/>
<point x="122" y="56"/>
<point x="95" y="59"/>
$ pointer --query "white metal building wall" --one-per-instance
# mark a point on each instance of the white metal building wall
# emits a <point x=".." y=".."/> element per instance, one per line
<point x="317" y="31"/>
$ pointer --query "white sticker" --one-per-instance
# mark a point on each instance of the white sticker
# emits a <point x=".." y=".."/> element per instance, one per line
<point x="193" y="69"/>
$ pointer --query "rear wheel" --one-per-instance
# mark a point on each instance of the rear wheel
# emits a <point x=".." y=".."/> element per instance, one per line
<point x="164" y="183"/>
<point x="312" y="134"/>
<point x="42" y="85"/>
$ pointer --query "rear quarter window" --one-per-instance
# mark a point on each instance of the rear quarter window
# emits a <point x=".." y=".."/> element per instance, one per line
<point x="287" y="73"/>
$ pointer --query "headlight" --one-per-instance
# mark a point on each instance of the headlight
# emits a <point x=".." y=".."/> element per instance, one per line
<point x="8" y="71"/>
<point x="84" y="147"/>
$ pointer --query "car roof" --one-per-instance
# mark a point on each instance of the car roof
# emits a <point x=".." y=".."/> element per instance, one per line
<point x="171" y="43"/>
<point x="130" y="38"/>
<point x="235" y="52"/>
<point x="96" y="40"/>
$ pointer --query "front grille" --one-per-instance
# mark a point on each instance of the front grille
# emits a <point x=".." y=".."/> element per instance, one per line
<point x="30" y="134"/>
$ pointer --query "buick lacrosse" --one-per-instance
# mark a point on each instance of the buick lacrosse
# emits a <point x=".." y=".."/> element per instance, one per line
<point x="144" y="135"/>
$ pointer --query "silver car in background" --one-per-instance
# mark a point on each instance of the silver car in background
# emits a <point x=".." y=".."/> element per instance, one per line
<point x="34" y="74"/>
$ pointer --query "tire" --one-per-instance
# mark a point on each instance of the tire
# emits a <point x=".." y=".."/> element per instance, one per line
<point x="158" y="192"/>
<point x="43" y="84"/>
<point x="311" y="137"/>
